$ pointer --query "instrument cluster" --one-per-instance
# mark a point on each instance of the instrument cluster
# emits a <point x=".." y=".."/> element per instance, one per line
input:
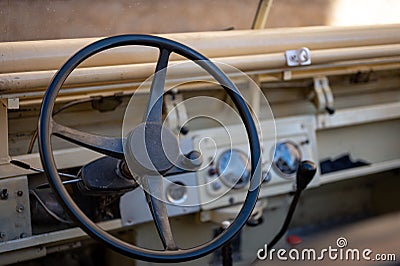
<point x="225" y="177"/>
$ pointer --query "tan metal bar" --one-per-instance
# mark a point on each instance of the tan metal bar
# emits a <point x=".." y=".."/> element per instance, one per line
<point x="342" y="68"/>
<point x="49" y="55"/>
<point x="260" y="19"/>
<point x="259" y="22"/>
<point x="17" y="82"/>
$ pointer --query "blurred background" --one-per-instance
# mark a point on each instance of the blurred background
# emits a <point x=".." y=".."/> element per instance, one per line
<point x="55" y="19"/>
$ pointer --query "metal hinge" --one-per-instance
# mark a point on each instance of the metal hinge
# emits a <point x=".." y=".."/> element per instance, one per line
<point x="322" y="95"/>
<point x="300" y="57"/>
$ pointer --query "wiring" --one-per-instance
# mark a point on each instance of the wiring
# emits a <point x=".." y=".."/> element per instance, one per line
<point x="62" y="108"/>
<point x="50" y="212"/>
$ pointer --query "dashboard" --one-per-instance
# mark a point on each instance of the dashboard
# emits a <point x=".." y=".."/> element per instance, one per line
<point x="223" y="179"/>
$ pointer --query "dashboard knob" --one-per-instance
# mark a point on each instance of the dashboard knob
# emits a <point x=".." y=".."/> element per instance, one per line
<point x="212" y="171"/>
<point x="216" y="185"/>
<point x="305" y="173"/>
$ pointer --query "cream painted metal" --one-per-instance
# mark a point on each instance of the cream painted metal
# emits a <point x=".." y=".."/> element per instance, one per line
<point x="359" y="115"/>
<point x="261" y="17"/>
<point x="371" y="137"/>
<point x="259" y="22"/>
<point x="4" y="158"/>
<point x="65" y="158"/>
<point x="21" y="82"/>
<point x="49" y="55"/>
<point x="342" y="68"/>
<point x="323" y="97"/>
<point x="27" y="67"/>
<point x="48" y="238"/>
<point x="15" y="215"/>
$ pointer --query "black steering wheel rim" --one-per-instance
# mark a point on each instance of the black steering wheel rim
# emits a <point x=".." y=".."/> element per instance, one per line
<point x="48" y="162"/>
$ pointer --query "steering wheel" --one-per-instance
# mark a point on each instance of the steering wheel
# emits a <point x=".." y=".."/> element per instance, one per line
<point x="152" y="124"/>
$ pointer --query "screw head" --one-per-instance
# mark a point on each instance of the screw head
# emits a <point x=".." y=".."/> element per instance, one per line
<point x="212" y="171"/>
<point x="20" y="208"/>
<point x="20" y="193"/>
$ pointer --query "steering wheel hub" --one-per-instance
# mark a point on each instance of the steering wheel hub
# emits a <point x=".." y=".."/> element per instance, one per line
<point x="151" y="149"/>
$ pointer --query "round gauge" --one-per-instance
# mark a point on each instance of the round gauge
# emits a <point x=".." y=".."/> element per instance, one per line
<point x="176" y="192"/>
<point x="286" y="159"/>
<point x="233" y="168"/>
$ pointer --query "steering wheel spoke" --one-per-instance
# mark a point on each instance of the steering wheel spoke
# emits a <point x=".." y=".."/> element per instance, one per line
<point x="105" y="145"/>
<point x="154" y="105"/>
<point x="156" y="201"/>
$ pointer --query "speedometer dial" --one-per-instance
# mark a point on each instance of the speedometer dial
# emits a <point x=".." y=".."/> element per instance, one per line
<point x="233" y="168"/>
<point x="286" y="159"/>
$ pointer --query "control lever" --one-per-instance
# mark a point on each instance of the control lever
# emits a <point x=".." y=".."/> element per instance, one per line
<point x="305" y="173"/>
<point x="226" y="250"/>
<point x="26" y="166"/>
<point x="73" y="178"/>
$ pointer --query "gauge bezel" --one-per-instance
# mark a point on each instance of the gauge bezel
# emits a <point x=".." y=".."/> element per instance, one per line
<point x="247" y="168"/>
<point x="276" y="168"/>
